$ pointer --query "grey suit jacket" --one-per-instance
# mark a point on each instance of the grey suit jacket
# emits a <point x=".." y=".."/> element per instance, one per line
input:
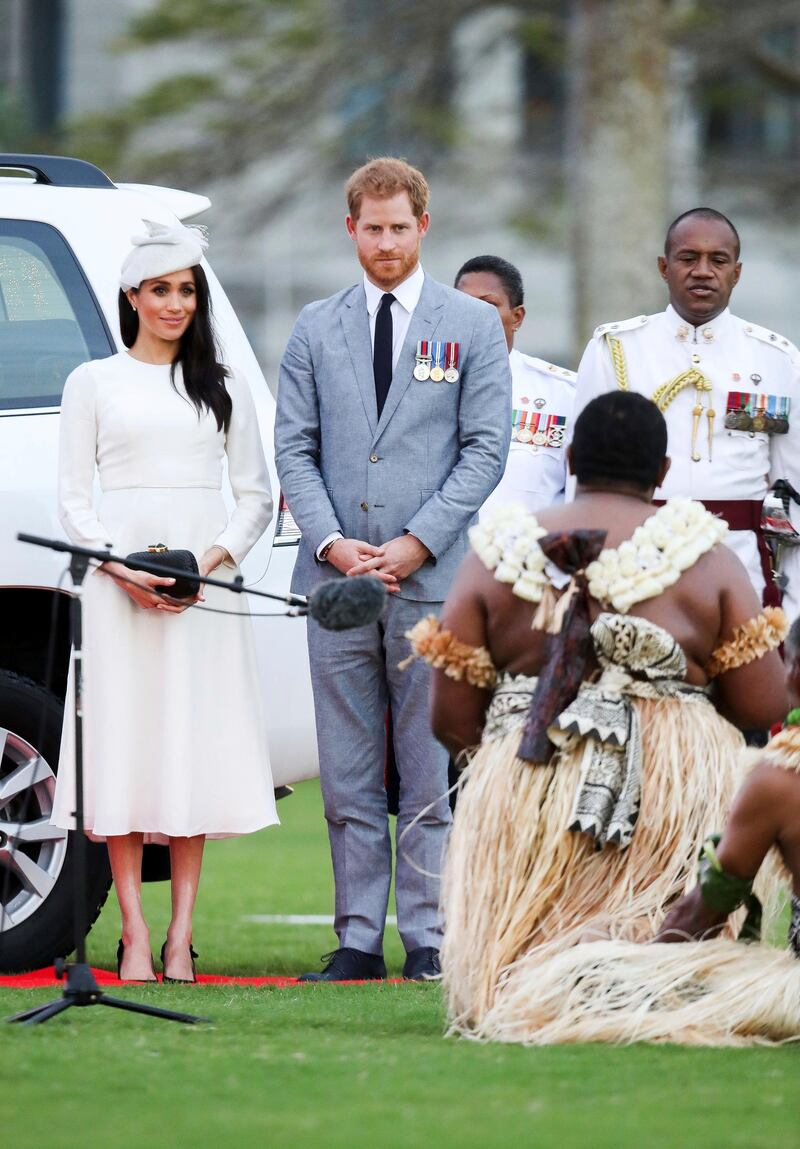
<point x="424" y="467"/>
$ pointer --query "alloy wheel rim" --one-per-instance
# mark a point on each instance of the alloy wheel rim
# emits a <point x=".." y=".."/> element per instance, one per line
<point x="32" y="851"/>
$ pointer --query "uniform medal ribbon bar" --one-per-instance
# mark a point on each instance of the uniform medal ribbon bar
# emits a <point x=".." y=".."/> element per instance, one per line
<point x="783" y="405"/>
<point x="759" y="422"/>
<point x="451" y="357"/>
<point x="557" y="430"/>
<point x="523" y="433"/>
<point x="422" y="370"/>
<point x="541" y="430"/>
<point x="437" y="361"/>
<point x="757" y="412"/>
<point x="739" y="411"/>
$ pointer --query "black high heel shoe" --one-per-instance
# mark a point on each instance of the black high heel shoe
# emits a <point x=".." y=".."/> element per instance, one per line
<point x="179" y="980"/>
<point x="136" y="980"/>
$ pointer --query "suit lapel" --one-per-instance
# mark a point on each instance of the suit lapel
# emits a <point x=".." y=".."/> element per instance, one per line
<point x="424" y="321"/>
<point x="355" y="323"/>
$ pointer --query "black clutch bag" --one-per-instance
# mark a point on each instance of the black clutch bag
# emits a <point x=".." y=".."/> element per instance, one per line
<point x="185" y="586"/>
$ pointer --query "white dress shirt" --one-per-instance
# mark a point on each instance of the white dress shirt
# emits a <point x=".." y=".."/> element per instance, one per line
<point x="406" y="297"/>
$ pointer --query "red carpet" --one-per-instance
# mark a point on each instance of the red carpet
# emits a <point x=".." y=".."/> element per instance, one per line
<point x="45" y="977"/>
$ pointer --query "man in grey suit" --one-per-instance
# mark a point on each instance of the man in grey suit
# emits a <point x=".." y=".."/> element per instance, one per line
<point x="392" y="429"/>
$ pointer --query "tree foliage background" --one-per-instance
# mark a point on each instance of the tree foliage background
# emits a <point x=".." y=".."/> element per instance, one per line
<point x="308" y="88"/>
<point x="311" y="74"/>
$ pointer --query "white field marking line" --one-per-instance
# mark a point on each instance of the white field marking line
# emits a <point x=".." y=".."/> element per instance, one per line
<point x="299" y="919"/>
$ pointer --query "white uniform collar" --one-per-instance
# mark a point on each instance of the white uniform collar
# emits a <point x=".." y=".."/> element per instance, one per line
<point x="684" y="332"/>
<point x="406" y="293"/>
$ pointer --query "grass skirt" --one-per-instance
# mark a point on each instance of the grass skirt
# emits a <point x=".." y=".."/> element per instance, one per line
<point x="718" y="993"/>
<point x="519" y="889"/>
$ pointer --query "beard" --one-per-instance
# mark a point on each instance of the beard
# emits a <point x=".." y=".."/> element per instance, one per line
<point x="389" y="274"/>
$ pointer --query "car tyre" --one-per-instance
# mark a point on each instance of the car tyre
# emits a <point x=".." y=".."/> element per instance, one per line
<point x="37" y="863"/>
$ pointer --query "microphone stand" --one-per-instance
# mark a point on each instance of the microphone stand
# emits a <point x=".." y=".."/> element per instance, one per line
<point x="81" y="987"/>
<point x="298" y="601"/>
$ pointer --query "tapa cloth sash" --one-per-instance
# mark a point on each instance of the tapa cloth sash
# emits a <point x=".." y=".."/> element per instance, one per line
<point x="638" y="660"/>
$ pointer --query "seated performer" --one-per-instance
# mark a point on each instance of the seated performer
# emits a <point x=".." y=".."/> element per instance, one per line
<point x="579" y="652"/>
<point x="765" y="813"/>
<point x="704" y="992"/>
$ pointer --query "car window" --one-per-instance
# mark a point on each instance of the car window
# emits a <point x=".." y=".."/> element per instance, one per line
<point x="49" y="319"/>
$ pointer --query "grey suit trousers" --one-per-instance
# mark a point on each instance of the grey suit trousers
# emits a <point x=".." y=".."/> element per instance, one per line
<point x="354" y="673"/>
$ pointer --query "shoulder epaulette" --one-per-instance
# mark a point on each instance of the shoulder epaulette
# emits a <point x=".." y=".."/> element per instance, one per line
<point x="551" y="370"/>
<point x="619" y="326"/>
<point x="772" y="338"/>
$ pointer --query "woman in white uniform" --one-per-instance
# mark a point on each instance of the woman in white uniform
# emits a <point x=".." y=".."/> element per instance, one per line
<point x="174" y="739"/>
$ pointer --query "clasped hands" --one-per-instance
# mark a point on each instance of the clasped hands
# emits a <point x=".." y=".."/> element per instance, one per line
<point x="391" y="562"/>
<point x="142" y="587"/>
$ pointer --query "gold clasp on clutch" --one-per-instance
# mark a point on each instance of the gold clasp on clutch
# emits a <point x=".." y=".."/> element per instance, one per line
<point x="157" y="549"/>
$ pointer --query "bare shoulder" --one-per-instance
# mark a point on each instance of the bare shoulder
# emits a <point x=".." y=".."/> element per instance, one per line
<point x="557" y="518"/>
<point x="472" y="580"/>
<point x="723" y="560"/>
<point x="738" y="594"/>
<point x="465" y="608"/>
<point x="725" y="567"/>
<point x="774" y="783"/>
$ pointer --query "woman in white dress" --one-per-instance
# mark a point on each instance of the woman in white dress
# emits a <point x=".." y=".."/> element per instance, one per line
<point x="174" y="739"/>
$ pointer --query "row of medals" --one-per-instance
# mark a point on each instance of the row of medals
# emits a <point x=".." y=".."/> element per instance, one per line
<point x="552" y="438"/>
<point x="743" y="421"/>
<point x="423" y="371"/>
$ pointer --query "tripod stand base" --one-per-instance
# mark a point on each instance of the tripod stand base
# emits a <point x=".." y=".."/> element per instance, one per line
<point x="82" y="989"/>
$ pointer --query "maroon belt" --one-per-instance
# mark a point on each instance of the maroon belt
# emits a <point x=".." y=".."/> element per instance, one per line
<point x="745" y="515"/>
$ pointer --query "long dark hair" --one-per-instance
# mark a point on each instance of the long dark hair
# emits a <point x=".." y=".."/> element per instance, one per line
<point x="198" y="355"/>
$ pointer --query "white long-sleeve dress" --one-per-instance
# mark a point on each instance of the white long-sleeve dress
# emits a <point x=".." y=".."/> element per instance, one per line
<point x="174" y="733"/>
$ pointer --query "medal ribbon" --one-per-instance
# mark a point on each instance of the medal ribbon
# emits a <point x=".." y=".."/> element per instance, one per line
<point x="557" y="423"/>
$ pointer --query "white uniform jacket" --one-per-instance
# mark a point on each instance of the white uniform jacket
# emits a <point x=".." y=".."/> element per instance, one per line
<point x="542" y="400"/>
<point x="752" y="372"/>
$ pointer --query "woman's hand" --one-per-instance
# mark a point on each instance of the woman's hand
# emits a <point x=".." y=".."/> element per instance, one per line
<point x="213" y="558"/>
<point x="140" y="585"/>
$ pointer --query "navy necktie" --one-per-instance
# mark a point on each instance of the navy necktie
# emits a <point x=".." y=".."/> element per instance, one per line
<point x="382" y="350"/>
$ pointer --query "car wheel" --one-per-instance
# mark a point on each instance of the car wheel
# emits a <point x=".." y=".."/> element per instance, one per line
<point x="37" y="860"/>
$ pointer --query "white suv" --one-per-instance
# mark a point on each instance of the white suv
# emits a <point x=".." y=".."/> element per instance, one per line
<point x="64" y="230"/>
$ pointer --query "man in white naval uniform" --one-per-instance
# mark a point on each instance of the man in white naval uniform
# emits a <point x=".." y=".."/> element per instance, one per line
<point x="729" y="390"/>
<point x="542" y="395"/>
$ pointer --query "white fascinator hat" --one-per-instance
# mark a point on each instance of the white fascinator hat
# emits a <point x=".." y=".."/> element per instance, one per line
<point x="160" y="251"/>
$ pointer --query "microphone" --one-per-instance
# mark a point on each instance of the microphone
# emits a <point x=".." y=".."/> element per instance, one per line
<point x="346" y="603"/>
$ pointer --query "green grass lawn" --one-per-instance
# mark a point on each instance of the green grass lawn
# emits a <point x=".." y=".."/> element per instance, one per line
<point x="337" y="1066"/>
